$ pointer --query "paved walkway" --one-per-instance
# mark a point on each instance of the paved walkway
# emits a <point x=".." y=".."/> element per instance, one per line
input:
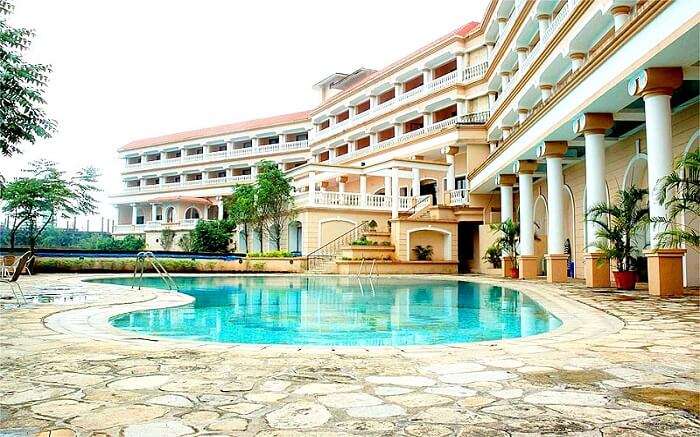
<point x="622" y="365"/>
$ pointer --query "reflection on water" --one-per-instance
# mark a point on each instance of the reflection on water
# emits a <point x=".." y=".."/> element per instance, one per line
<point x="340" y="311"/>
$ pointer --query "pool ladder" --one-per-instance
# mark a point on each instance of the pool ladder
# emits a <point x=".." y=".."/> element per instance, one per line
<point x="371" y="269"/>
<point x="142" y="259"/>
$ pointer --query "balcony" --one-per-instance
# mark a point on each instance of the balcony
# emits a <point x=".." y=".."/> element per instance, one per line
<point x="156" y="225"/>
<point x="357" y="200"/>
<point x="470" y="73"/>
<point x="222" y="155"/>
<point x="186" y="184"/>
<point x="457" y="197"/>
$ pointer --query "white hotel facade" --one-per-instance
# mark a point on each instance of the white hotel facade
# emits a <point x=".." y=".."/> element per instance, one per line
<point x="541" y="109"/>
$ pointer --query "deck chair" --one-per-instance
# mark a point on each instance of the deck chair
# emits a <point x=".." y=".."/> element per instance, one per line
<point x="9" y="264"/>
<point x="12" y="281"/>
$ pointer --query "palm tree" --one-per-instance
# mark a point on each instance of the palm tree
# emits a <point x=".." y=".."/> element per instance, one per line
<point x="680" y="193"/>
<point x="619" y="225"/>
<point x="509" y="236"/>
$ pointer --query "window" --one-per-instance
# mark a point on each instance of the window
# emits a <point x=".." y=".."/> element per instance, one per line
<point x="461" y="182"/>
<point x="170" y="214"/>
<point x="191" y="213"/>
<point x="362" y="107"/>
<point x="386" y="96"/>
<point x="301" y="137"/>
<point x="325" y="125"/>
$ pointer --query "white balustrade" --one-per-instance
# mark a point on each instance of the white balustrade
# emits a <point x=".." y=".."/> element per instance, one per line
<point x="354" y="200"/>
<point x="474" y="71"/>
<point x="154" y="225"/>
<point x="475" y="117"/>
<point x="458" y="197"/>
<point x="195" y="182"/>
<point x="123" y="229"/>
<point x="188" y="223"/>
<point x="509" y="25"/>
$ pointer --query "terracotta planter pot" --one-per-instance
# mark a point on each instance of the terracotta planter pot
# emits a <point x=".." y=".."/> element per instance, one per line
<point x="514" y="273"/>
<point x="625" y="280"/>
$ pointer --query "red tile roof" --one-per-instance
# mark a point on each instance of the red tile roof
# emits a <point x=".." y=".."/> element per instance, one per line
<point x="240" y="126"/>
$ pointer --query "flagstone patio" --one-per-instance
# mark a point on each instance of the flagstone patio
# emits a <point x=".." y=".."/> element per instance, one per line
<point x="625" y="365"/>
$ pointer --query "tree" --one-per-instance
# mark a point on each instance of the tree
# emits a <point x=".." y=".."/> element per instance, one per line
<point x="35" y="201"/>
<point x="619" y="224"/>
<point x="242" y="209"/>
<point x="508" y="239"/>
<point x="212" y="235"/>
<point x="22" y="85"/>
<point x="275" y="200"/>
<point x="684" y="184"/>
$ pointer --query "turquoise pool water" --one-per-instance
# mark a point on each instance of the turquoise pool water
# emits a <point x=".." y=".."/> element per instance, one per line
<point x="339" y="311"/>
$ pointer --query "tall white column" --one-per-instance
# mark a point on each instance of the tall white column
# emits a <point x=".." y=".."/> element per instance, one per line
<point x="501" y="25"/>
<point x="312" y="187"/>
<point x="398" y="89"/>
<point x="415" y="181"/>
<point x="527" y="204"/>
<point x="522" y="55"/>
<point x="154" y="211"/>
<point x="542" y="23"/>
<point x="546" y="90"/>
<point x="395" y="192"/>
<point x="489" y="49"/>
<point x="555" y="205"/>
<point x="427" y="75"/>
<point x="387" y="185"/>
<point x="450" y="176"/>
<point x="492" y="99"/>
<point x="133" y="213"/>
<point x="522" y="114"/>
<point x="363" y="190"/>
<point x="220" y="208"/>
<point x="461" y="107"/>
<point x="331" y="153"/>
<point x="506" y="202"/>
<point x="460" y="65"/>
<point x="351" y="146"/>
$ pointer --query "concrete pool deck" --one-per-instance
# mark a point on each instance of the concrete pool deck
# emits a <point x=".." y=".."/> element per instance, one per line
<point x="621" y="364"/>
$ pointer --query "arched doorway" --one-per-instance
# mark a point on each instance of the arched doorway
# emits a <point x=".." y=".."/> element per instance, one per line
<point x="192" y="213"/>
<point x="170" y="216"/>
<point x="691" y="260"/>
<point x="541" y="228"/>
<point x="213" y="212"/>
<point x="440" y="241"/>
<point x="140" y="216"/>
<point x="570" y="230"/>
<point x="294" y="238"/>
<point x="429" y="187"/>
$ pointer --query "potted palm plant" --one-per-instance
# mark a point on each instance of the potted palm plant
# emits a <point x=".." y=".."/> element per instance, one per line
<point x="507" y="242"/>
<point x="619" y="225"/>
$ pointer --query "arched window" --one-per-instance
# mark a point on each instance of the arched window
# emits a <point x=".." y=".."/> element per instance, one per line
<point x="191" y="213"/>
<point x="170" y="215"/>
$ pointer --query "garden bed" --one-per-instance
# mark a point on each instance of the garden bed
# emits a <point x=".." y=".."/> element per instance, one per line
<point x="350" y="253"/>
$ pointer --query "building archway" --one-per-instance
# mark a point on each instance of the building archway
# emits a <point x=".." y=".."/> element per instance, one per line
<point x="570" y="227"/>
<point x="539" y="216"/>
<point x="691" y="260"/>
<point x="330" y="229"/>
<point x="192" y="213"/>
<point x="294" y="237"/>
<point x="170" y="215"/>
<point x="429" y="186"/>
<point x="636" y="175"/>
<point x="439" y="239"/>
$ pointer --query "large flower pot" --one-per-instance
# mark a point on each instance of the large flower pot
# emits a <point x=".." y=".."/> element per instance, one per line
<point x="625" y="280"/>
<point x="514" y="273"/>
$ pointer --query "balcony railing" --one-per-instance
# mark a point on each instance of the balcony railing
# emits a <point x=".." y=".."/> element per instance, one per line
<point x="457" y="197"/>
<point x="509" y="26"/>
<point x="355" y="200"/>
<point x="554" y="26"/>
<point x="196" y="182"/>
<point x="156" y="225"/>
<point x="396" y="140"/>
<point x="224" y="154"/>
<point x="474" y="118"/>
<point x="129" y="229"/>
<point x="470" y="73"/>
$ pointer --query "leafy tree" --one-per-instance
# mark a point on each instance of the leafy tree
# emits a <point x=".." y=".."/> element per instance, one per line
<point x="107" y="243"/>
<point x="243" y="209"/>
<point x="22" y="85"/>
<point x="680" y="193"/>
<point x="185" y="242"/>
<point x="275" y="200"/>
<point x="36" y="200"/>
<point x="212" y="235"/>
<point x="166" y="238"/>
<point x="619" y="225"/>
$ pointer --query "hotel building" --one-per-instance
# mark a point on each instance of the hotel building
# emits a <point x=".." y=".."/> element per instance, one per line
<point x="537" y="112"/>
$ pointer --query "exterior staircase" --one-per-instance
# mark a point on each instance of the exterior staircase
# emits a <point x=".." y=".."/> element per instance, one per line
<point x="422" y="208"/>
<point x="322" y="259"/>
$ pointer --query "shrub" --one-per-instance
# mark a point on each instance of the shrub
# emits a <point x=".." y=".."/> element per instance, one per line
<point x="107" y="243"/>
<point x="185" y="242"/>
<point x="211" y="236"/>
<point x="493" y="256"/>
<point x="166" y="238"/>
<point x="271" y="254"/>
<point x="363" y="241"/>
<point x="423" y="253"/>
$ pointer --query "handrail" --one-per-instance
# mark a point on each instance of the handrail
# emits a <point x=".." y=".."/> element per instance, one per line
<point x="327" y="251"/>
<point x="423" y="202"/>
<point x="141" y="259"/>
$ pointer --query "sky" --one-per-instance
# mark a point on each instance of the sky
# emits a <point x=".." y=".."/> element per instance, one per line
<point x="130" y="69"/>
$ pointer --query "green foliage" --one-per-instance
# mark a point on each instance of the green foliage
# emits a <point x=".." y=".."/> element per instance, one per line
<point x="619" y="225"/>
<point x="166" y="238"/>
<point x="51" y="238"/>
<point x="275" y="200"/>
<point x="53" y="265"/>
<point x="185" y="242"/>
<point x="508" y="238"/>
<point x="34" y="201"/>
<point x="242" y="209"/>
<point x="211" y="236"/>
<point x="22" y="86"/>
<point x="107" y="243"/>
<point x="363" y="241"/>
<point x="271" y="254"/>
<point x="684" y="183"/>
<point x="493" y="256"/>
<point x="423" y="253"/>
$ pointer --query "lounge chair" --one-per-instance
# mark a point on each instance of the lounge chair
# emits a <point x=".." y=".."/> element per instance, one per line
<point x="12" y="280"/>
<point x="9" y="264"/>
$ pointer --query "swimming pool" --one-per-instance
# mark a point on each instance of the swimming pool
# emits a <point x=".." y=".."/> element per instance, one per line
<point x="339" y="311"/>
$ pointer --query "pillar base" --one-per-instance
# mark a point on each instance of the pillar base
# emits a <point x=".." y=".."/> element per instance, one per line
<point x="597" y="270"/>
<point x="528" y="267"/>
<point x="556" y="268"/>
<point x="665" y="270"/>
<point x="506" y="266"/>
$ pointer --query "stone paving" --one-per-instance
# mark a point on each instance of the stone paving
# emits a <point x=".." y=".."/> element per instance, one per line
<point x="635" y="376"/>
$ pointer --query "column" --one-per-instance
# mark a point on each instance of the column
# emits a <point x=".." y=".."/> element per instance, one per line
<point x="331" y="153"/>
<point x="395" y="193"/>
<point x="593" y="127"/>
<point x="621" y="14"/>
<point x="493" y="145"/>
<point x="489" y="49"/>
<point x="460" y="65"/>
<point x="312" y="187"/>
<point x="501" y="25"/>
<point x="505" y="77"/>
<point x="528" y="261"/>
<point x="450" y="153"/>
<point x="522" y="55"/>
<point x="387" y="185"/>
<point x="577" y="59"/>
<point x="372" y="138"/>
<point x="133" y="214"/>
<point x="427" y="75"/>
<point x="546" y="90"/>
<point x="220" y="208"/>
<point x="506" y="182"/>
<point x="492" y="99"/>
<point x="427" y="119"/>
<point x="543" y="24"/>
<point x="154" y="211"/>
<point x="506" y="132"/>
<point x="461" y="107"/>
<point x="415" y="181"/>
<point x="363" y="190"/>
<point x="372" y="101"/>
<point x="351" y="146"/>
<point x="398" y="89"/>
<point x="522" y="115"/>
<point x="553" y="152"/>
<point x="341" y="183"/>
<point x="255" y="144"/>
<point x="351" y="111"/>
<point x="656" y="85"/>
<point x="397" y="129"/>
